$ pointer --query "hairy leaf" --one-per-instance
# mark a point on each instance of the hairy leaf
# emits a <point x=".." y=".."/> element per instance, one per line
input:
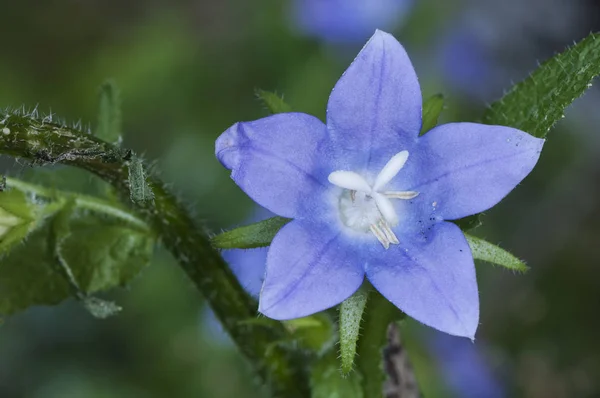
<point x="539" y="101"/>
<point x="485" y="251"/>
<point x="351" y="312"/>
<point x="273" y="102"/>
<point x="432" y="107"/>
<point x="259" y="234"/>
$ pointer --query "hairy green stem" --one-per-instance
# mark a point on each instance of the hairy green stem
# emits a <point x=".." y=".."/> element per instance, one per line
<point x="44" y="142"/>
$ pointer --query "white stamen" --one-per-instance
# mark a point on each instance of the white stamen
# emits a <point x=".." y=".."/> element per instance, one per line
<point x="406" y="195"/>
<point x="386" y="208"/>
<point x="390" y="170"/>
<point x="380" y="235"/>
<point x="349" y="180"/>
<point x="389" y="234"/>
<point x="367" y="208"/>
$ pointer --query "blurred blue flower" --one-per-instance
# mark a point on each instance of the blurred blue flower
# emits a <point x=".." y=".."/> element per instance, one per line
<point x="468" y="67"/>
<point x="369" y="196"/>
<point x="348" y="21"/>
<point x="464" y="368"/>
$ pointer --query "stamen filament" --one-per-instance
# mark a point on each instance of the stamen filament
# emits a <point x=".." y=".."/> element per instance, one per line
<point x="401" y="194"/>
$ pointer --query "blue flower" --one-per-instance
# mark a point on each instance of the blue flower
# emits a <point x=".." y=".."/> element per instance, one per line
<point x="369" y="197"/>
<point x="348" y="21"/>
<point x="464" y="367"/>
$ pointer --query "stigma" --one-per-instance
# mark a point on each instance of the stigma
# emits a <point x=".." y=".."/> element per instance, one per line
<point x="368" y="207"/>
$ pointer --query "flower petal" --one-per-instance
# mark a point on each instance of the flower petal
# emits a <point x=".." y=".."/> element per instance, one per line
<point x="310" y="267"/>
<point x="376" y="104"/>
<point x="432" y="280"/>
<point x="466" y="168"/>
<point x="278" y="161"/>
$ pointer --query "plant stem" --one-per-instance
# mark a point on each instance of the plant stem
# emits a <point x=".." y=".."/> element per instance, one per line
<point x="45" y="142"/>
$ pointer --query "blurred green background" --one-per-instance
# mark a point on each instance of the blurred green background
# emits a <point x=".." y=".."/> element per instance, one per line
<point x="188" y="70"/>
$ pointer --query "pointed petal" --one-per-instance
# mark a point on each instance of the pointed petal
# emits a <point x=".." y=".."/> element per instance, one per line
<point x="349" y="180"/>
<point x="431" y="280"/>
<point x="390" y="170"/>
<point x="466" y="168"/>
<point x="310" y="268"/>
<point x="376" y="104"/>
<point x="278" y="161"/>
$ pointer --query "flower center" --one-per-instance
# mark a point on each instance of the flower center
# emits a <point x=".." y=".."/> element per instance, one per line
<point x="368" y="208"/>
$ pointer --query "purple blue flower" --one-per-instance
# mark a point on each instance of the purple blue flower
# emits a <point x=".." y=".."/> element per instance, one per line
<point x="464" y="367"/>
<point x="369" y="197"/>
<point x="348" y="21"/>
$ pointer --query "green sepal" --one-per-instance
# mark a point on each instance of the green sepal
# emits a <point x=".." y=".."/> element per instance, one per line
<point x="273" y="102"/>
<point x="432" y="108"/>
<point x="109" y="113"/>
<point x="259" y="234"/>
<point x="538" y="102"/>
<point x="485" y="251"/>
<point x="351" y="312"/>
<point x="326" y="381"/>
<point x="139" y="189"/>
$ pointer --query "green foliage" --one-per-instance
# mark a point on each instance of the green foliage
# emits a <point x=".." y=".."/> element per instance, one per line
<point x="351" y="312"/>
<point x="259" y="234"/>
<point x="17" y="219"/>
<point x="538" y="102"/>
<point x="139" y="190"/>
<point x="69" y="251"/>
<point x="327" y="382"/>
<point x="273" y="102"/>
<point x="485" y="251"/>
<point x="432" y="107"/>
<point x="109" y="113"/>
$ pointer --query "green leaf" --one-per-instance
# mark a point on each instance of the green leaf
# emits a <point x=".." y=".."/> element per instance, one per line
<point x="101" y="255"/>
<point x="17" y="219"/>
<point x="485" y="251"/>
<point x="273" y="102"/>
<point x="259" y="234"/>
<point x="109" y="113"/>
<point x="432" y="108"/>
<point x="59" y="232"/>
<point x="468" y="223"/>
<point x="351" y="312"/>
<point x="139" y="189"/>
<point x="327" y="382"/>
<point x="538" y="102"/>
